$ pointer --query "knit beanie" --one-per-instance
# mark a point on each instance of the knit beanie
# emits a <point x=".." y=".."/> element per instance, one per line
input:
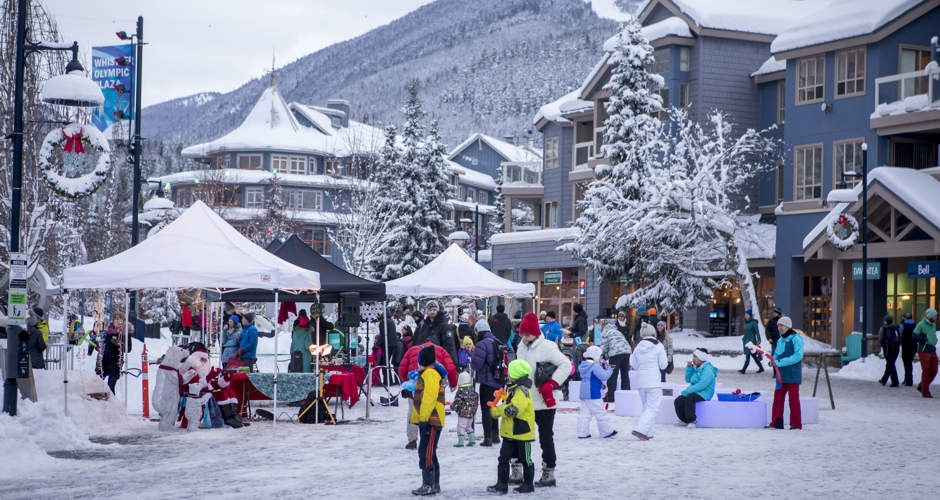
<point x="38" y="311"/>
<point x="519" y="368"/>
<point x="931" y="313"/>
<point x="529" y="325"/>
<point x="482" y="326"/>
<point x="463" y="379"/>
<point x="652" y="311"/>
<point x="787" y="322"/>
<point x="432" y="304"/>
<point x="594" y="352"/>
<point x="427" y="356"/>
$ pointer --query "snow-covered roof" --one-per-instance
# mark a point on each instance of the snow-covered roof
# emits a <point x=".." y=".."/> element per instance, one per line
<point x="769" y="66"/>
<point x="485" y="255"/>
<point x="553" y="110"/>
<point x="917" y="188"/>
<point x="671" y="26"/>
<point x="308" y="216"/>
<point x="471" y="177"/>
<point x="838" y="19"/>
<point x="467" y="205"/>
<point x="556" y="234"/>
<point x="243" y="176"/>
<point x="272" y="126"/>
<point x="766" y="17"/>
<point x="158" y="203"/>
<point x="509" y="152"/>
<point x="759" y="240"/>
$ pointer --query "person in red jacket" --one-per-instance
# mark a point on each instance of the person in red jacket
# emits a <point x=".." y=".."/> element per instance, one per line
<point x="186" y="319"/>
<point x="409" y="363"/>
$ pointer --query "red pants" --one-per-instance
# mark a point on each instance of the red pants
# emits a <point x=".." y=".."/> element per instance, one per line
<point x="793" y="392"/>
<point x="928" y="370"/>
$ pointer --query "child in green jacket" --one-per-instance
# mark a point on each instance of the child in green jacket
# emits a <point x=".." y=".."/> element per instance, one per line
<point x="517" y="428"/>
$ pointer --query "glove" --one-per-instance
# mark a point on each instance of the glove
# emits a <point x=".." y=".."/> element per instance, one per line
<point x="670" y="367"/>
<point x="408" y="386"/>
<point x="227" y="376"/>
<point x="413" y="375"/>
<point x="546" y="391"/>
<point x="238" y="353"/>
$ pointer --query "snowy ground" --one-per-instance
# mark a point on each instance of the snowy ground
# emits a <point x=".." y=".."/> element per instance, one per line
<point x="879" y="442"/>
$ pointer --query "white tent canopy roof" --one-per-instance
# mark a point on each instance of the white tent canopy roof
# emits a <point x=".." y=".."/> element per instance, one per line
<point x="453" y="272"/>
<point x="197" y="250"/>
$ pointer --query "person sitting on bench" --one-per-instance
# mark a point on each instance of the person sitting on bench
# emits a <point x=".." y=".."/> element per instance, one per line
<point x="700" y="374"/>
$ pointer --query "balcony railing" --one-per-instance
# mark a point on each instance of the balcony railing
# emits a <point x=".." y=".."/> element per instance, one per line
<point x="907" y="92"/>
<point x="583" y="151"/>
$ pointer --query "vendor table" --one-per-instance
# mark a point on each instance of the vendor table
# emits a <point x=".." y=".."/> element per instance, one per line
<point x="296" y="386"/>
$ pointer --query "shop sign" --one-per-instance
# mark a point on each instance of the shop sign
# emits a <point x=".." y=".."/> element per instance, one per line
<point x="874" y="270"/>
<point x="925" y="269"/>
<point x="552" y="278"/>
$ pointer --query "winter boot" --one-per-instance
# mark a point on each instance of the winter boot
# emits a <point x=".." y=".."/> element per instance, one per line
<point x="459" y="441"/>
<point x="470" y="439"/>
<point x="486" y="442"/>
<point x="777" y="423"/>
<point x="524" y="488"/>
<point x="515" y="472"/>
<point x="501" y="488"/>
<point x="412" y="445"/>
<point x="548" y="476"/>
<point x="423" y="491"/>
<point x="495" y="439"/>
<point x="230" y="415"/>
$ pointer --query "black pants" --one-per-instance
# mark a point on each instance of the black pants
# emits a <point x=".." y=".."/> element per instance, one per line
<point x="685" y="407"/>
<point x="621" y="364"/>
<point x="908" y="352"/>
<point x="521" y="451"/>
<point x="427" y="454"/>
<point x="112" y="381"/>
<point x="747" y="360"/>
<point x="891" y="369"/>
<point x="490" y="428"/>
<point x="545" y="421"/>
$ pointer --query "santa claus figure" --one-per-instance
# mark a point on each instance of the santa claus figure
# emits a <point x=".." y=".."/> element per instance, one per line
<point x="219" y="381"/>
<point x="195" y="378"/>
<point x="169" y="387"/>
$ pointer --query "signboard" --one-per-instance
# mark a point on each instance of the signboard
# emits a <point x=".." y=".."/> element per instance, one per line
<point x="926" y="269"/>
<point x="552" y="278"/>
<point x="874" y="270"/>
<point x="108" y="74"/>
<point x="16" y="304"/>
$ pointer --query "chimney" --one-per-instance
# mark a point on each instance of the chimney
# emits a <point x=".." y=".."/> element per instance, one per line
<point x="340" y="105"/>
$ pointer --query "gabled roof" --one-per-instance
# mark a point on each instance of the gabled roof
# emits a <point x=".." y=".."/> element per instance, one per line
<point x="471" y="177"/>
<point x="509" y="152"/>
<point x="769" y="67"/>
<point x="917" y="188"/>
<point x="356" y="137"/>
<point x="671" y="26"/>
<point x="844" y="19"/>
<point x="554" y="110"/>
<point x="761" y="17"/>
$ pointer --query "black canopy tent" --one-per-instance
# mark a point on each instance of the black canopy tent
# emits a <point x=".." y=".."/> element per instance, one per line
<point x="333" y="280"/>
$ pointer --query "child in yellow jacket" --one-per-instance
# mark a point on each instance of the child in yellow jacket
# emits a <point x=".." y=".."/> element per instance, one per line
<point x="428" y="413"/>
<point x="517" y="428"/>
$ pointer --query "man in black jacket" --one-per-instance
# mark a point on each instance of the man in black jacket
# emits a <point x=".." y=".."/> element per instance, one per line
<point x="771" y="331"/>
<point x="501" y="325"/>
<point x="435" y="328"/>
<point x="579" y="327"/>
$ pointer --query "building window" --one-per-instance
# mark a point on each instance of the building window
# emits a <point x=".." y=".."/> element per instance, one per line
<point x="661" y="60"/>
<point x="336" y="122"/>
<point x="302" y="199"/>
<point x="251" y="162"/>
<point x="685" y="58"/>
<point x="848" y="158"/>
<point x="289" y="164"/>
<point x="551" y="153"/>
<point x="221" y="161"/>
<point x="807" y="169"/>
<point x="333" y="166"/>
<point x="254" y="197"/>
<point x="684" y="99"/>
<point x="781" y="100"/>
<point x="914" y="59"/>
<point x="184" y="196"/>
<point x="913" y="154"/>
<point x="810" y="80"/>
<point x="850" y="72"/>
<point x="911" y="295"/>
<point x="318" y="239"/>
<point x="482" y="198"/>
<point x="551" y="214"/>
<point x="779" y="186"/>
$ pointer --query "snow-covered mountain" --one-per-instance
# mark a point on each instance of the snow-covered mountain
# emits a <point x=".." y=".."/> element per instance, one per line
<point x="484" y="66"/>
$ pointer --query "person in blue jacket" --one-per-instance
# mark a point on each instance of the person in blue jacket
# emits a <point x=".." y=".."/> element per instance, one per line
<point x="701" y="375"/>
<point x="788" y="356"/>
<point x="248" y="345"/>
<point x="551" y="330"/>
<point x="594" y="372"/>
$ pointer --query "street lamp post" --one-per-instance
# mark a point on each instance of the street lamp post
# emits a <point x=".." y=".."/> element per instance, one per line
<point x="864" y="230"/>
<point x="79" y="92"/>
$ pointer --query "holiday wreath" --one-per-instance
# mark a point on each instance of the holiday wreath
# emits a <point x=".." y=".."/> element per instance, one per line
<point x="75" y="160"/>
<point x="842" y="231"/>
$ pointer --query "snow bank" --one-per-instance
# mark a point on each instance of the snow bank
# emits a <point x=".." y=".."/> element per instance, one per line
<point x="688" y="339"/>
<point x="910" y="104"/>
<point x="873" y="367"/>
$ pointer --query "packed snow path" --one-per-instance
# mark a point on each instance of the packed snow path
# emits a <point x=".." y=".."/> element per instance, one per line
<point x="879" y="442"/>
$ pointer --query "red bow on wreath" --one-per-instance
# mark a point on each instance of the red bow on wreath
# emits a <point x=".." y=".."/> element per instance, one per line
<point x="74" y="143"/>
<point x="843" y="221"/>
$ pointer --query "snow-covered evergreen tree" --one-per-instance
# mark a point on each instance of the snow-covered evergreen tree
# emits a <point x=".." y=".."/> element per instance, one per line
<point x="437" y="189"/>
<point x="498" y="217"/>
<point x="159" y="305"/>
<point x="631" y="140"/>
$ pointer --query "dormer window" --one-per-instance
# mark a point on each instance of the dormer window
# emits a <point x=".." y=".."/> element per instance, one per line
<point x="336" y="122"/>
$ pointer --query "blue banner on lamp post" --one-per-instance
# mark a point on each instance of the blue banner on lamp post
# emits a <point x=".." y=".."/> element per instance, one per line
<point x="108" y="74"/>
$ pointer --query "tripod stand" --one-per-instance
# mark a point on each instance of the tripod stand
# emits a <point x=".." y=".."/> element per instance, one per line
<point x="319" y="400"/>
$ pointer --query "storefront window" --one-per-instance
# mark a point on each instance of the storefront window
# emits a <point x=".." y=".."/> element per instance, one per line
<point x="816" y="306"/>
<point x="914" y="296"/>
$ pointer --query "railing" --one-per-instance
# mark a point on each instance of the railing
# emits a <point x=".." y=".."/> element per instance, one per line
<point x="583" y="151"/>
<point x="904" y="86"/>
<point x="519" y="173"/>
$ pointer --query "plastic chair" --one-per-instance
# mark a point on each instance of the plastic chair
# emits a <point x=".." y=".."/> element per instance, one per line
<point x="853" y="348"/>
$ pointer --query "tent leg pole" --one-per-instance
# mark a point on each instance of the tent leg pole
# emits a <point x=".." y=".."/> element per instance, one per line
<point x="127" y="310"/>
<point x="388" y="375"/>
<point x="65" y="370"/>
<point x="316" y="414"/>
<point x="276" y="309"/>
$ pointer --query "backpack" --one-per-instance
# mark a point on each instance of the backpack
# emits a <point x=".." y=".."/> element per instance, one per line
<point x="500" y="366"/>
<point x="890" y="335"/>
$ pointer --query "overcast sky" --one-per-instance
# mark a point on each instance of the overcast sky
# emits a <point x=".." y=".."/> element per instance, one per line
<point x="217" y="45"/>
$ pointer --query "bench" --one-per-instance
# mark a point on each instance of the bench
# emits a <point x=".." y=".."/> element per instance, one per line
<point x="809" y="410"/>
<point x="716" y="414"/>
<point x="628" y="404"/>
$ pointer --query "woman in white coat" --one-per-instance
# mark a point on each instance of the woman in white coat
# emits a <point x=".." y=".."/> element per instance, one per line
<point x="648" y="358"/>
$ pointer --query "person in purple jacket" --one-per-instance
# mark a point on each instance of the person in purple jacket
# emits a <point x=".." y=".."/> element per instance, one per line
<point x="484" y="361"/>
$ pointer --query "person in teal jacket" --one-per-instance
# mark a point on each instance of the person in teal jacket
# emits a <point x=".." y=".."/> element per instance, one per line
<point x="788" y="356"/>
<point x="752" y="336"/>
<point x="925" y="333"/>
<point x="701" y="376"/>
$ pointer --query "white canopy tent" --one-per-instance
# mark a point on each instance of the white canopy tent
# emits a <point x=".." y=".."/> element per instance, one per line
<point x="197" y="250"/>
<point x="453" y="272"/>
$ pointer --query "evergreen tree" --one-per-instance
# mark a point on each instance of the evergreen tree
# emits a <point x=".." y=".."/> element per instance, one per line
<point x="631" y="141"/>
<point x="436" y="190"/>
<point x="498" y="217"/>
<point x="159" y="305"/>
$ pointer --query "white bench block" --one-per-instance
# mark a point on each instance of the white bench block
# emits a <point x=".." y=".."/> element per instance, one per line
<point x="574" y="390"/>
<point x="730" y="414"/>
